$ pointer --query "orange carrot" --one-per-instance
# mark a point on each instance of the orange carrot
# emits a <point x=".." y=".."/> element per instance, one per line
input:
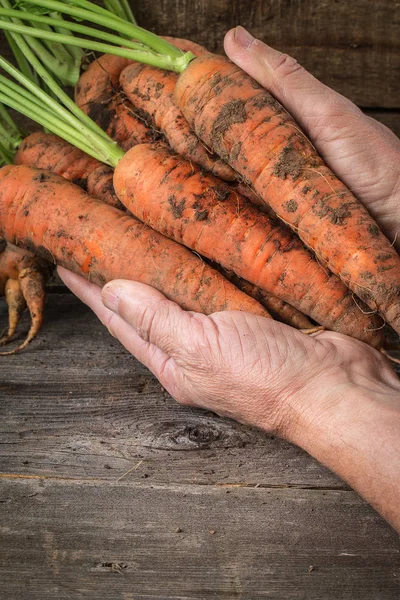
<point x="98" y="94"/>
<point x="278" y="309"/>
<point x="196" y="209"/>
<point x="246" y="126"/>
<point x="23" y="279"/>
<point x="186" y="45"/>
<point x="47" y="151"/>
<point x="54" y="218"/>
<point x="152" y="91"/>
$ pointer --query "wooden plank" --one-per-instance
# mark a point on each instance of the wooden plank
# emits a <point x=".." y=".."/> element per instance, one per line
<point x="76" y="404"/>
<point x="94" y="540"/>
<point x="350" y="46"/>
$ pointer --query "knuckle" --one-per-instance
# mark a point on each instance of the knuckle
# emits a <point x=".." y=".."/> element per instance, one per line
<point x="145" y="323"/>
<point x="287" y="65"/>
<point x="108" y="321"/>
<point x="154" y="324"/>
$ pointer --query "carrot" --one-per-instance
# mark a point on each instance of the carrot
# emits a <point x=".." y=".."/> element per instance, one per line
<point x="152" y="91"/>
<point x="23" y="279"/>
<point x="278" y="309"/>
<point x="186" y="45"/>
<point x="350" y="321"/>
<point x="54" y="218"/>
<point x="247" y="127"/>
<point x="46" y="151"/>
<point x="50" y="152"/>
<point x="201" y="212"/>
<point x="98" y="94"/>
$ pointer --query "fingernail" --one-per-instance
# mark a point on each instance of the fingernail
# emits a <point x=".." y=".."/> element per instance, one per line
<point x="243" y="37"/>
<point x="111" y="295"/>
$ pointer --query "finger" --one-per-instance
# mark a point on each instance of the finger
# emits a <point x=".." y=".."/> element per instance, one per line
<point x="363" y="153"/>
<point x="147" y="353"/>
<point x="155" y="318"/>
<point x="86" y="291"/>
<point x="320" y="111"/>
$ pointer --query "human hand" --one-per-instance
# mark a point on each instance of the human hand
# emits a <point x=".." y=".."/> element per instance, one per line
<point x="361" y="151"/>
<point x="238" y="365"/>
<point x="332" y="395"/>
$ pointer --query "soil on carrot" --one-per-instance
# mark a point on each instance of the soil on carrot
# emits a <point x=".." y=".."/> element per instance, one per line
<point x="101" y="115"/>
<point x="289" y="164"/>
<point x="231" y="113"/>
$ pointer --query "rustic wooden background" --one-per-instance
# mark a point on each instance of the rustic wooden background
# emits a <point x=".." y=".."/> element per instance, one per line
<point x="109" y="489"/>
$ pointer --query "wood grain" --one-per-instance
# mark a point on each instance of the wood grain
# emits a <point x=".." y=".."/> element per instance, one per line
<point x="76" y="404"/>
<point x="66" y="539"/>
<point x="351" y="46"/>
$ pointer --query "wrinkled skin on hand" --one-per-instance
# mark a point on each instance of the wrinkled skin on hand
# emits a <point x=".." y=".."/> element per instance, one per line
<point x="241" y="366"/>
<point x="23" y="279"/>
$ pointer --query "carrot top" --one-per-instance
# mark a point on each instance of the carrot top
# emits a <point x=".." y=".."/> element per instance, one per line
<point x="147" y="47"/>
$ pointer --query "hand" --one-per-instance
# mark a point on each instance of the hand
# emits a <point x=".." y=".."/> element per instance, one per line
<point x="238" y="365"/>
<point x="361" y="151"/>
<point x="334" y="396"/>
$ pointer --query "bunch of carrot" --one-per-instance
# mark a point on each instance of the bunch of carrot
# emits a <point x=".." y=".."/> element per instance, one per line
<point x="214" y="164"/>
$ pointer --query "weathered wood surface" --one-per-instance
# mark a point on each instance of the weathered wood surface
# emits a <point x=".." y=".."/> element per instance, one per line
<point x="78" y="405"/>
<point x="168" y="542"/>
<point x="100" y="469"/>
<point x="351" y="46"/>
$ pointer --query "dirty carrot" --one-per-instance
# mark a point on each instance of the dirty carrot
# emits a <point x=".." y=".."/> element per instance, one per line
<point x="23" y="279"/>
<point x="139" y="168"/>
<point x="203" y="213"/>
<point x="152" y="91"/>
<point x="278" y="309"/>
<point x="98" y="94"/>
<point x="241" y="122"/>
<point x="50" y="152"/>
<point x="54" y="218"/>
<point x="249" y="129"/>
<point x="46" y="151"/>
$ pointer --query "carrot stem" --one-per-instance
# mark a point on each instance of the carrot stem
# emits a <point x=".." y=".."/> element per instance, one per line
<point x="33" y="102"/>
<point x="54" y="55"/>
<point x="43" y="118"/>
<point x="144" y="56"/>
<point x="68" y="26"/>
<point x="120" y="8"/>
<point x="8" y="123"/>
<point x="19" y="56"/>
<point x="169" y="56"/>
<point x="29" y="83"/>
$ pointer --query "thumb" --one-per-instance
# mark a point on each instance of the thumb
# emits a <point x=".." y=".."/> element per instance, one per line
<point x="309" y="101"/>
<point x="156" y="321"/>
<point x="152" y="328"/>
